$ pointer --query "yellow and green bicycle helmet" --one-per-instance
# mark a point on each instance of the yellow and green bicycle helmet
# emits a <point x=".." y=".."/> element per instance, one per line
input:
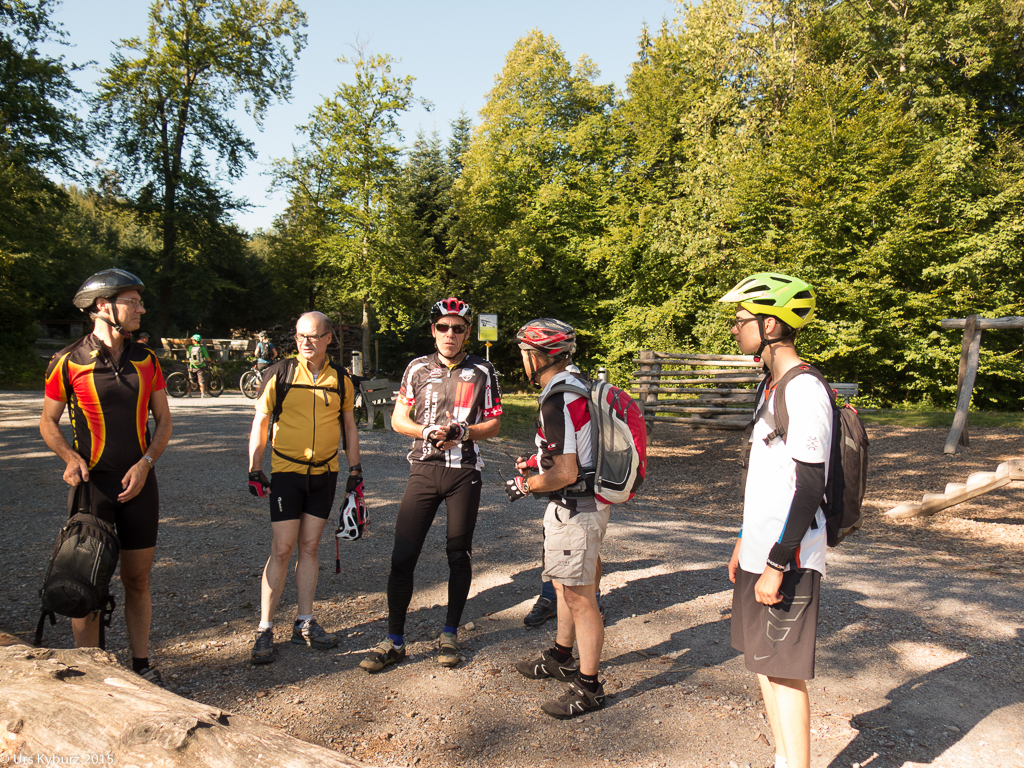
<point x="790" y="299"/>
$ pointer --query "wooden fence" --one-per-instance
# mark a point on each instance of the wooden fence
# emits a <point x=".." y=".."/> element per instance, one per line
<point x="707" y="391"/>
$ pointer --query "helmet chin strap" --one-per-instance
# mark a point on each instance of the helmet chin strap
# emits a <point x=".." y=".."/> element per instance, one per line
<point x="116" y="326"/>
<point x="534" y="373"/>
<point x="766" y="342"/>
<point x="442" y="355"/>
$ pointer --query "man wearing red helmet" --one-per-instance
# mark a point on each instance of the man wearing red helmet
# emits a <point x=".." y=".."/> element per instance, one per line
<point x="574" y="520"/>
<point x="448" y="402"/>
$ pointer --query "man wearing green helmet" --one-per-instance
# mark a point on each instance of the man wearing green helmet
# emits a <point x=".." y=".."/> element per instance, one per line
<point x="197" y="357"/>
<point x="779" y="557"/>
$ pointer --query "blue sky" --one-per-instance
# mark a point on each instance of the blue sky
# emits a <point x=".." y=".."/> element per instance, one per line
<point x="453" y="48"/>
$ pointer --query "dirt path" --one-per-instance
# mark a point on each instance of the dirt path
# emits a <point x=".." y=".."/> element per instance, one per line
<point x="921" y="646"/>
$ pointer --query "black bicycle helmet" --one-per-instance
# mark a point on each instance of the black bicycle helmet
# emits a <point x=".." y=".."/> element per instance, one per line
<point x="450" y="306"/>
<point x="106" y="284"/>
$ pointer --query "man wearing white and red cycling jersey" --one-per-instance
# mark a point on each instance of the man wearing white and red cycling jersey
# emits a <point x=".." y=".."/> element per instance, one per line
<point x="574" y="520"/>
<point x="448" y="401"/>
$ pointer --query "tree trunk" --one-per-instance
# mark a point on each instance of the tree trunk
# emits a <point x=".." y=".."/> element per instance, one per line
<point x="366" y="334"/>
<point x="81" y="702"/>
<point x="166" y="281"/>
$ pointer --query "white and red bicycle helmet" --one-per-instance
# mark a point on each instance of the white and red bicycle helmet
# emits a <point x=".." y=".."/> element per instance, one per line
<point x="353" y="518"/>
<point x="548" y="336"/>
<point x="450" y="306"/>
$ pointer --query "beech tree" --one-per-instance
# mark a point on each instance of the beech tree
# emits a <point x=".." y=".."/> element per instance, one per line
<point x="163" y="105"/>
<point x="530" y="197"/>
<point x="356" y="148"/>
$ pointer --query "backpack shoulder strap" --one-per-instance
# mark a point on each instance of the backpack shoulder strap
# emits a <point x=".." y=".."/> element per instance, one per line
<point x="579" y="386"/>
<point x="781" y="409"/>
<point x="283" y="374"/>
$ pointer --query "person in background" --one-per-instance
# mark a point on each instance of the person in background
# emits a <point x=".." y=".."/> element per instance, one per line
<point x="198" y="357"/>
<point x="266" y="351"/>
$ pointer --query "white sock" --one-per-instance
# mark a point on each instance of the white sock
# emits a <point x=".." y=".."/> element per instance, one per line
<point x="780" y="762"/>
<point x="303" y="619"/>
<point x="266" y="625"/>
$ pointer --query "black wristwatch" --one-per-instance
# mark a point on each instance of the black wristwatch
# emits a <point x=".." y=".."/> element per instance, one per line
<point x="356" y="468"/>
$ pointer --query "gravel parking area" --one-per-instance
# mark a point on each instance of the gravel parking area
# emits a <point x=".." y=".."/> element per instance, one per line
<point x="920" y="653"/>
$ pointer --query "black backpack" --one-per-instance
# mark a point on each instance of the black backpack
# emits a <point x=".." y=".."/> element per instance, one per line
<point x="77" y="581"/>
<point x="848" y="457"/>
<point x="282" y="373"/>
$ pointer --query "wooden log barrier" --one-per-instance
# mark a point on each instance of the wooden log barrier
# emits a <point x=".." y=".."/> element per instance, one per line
<point x="67" y="703"/>
<point x="714" y="391"/>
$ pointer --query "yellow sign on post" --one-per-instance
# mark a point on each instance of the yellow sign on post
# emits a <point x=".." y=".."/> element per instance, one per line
<point x="487" y="328"/>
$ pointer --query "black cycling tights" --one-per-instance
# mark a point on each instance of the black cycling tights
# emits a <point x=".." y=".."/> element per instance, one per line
<point x="429" y="485"/>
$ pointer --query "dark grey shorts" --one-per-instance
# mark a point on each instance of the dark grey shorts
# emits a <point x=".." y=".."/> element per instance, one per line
<point x="777" y="640"/>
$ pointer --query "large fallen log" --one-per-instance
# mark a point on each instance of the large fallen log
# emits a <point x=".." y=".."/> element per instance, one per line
<point x="67" y="703"/>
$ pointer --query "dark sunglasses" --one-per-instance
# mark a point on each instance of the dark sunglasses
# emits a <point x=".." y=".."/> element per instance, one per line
<point x="443" y="328"/>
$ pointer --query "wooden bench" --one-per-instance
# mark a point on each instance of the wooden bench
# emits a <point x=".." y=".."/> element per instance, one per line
<point x="707" y="391"/>
<point x="219" y="349"/>
<point x="379" y="394"/>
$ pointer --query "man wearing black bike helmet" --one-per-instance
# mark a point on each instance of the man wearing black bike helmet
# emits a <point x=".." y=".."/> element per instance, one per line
<point x="110" y="384"/>
<point x="448" y="402"/>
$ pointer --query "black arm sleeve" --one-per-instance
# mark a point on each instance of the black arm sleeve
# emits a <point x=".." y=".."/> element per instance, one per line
<point x="810" y="489"/>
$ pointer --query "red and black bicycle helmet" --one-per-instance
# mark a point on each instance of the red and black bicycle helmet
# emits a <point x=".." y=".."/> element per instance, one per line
<point x="450" y="306"/>
<point x="548" y="336"/>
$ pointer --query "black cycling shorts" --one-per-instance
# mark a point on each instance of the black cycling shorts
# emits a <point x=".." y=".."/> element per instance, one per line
<point x="293" y="494"/>
<point x="136" y="520"/>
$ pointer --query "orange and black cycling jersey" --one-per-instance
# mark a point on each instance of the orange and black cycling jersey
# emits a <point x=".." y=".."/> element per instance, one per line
<point x="109" y="400"/>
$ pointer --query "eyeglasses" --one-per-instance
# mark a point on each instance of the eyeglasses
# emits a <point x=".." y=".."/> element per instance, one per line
<point x="310" y="337"/>
<point x="133" y="303"/>
<point x="738" y="322"/>
<point x="443" y="328"/>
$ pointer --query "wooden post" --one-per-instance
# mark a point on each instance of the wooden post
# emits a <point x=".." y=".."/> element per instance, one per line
<point x="970" y="327"/>
<point x="649" y="398"/>
<point x="970" y="355"/>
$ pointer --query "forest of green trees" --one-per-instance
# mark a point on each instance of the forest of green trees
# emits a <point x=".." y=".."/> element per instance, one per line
<point x="872" y="148"/>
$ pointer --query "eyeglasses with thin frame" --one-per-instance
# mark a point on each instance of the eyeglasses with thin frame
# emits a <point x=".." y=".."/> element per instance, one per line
<point x="133" y="303"/>
<point x="739" y="322"/>
<point x="443" y="328"/>
<point x="311" y="337"/>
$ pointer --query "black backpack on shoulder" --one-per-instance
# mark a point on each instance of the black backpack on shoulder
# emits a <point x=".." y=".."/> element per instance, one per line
<point x="282" y="374"/>
<point x="77" y="581"/>
<point x="846" y="483"/>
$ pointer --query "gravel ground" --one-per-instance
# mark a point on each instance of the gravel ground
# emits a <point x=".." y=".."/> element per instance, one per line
<point x="920" y="653"/>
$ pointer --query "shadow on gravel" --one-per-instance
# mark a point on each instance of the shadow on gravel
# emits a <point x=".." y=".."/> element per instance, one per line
<point x="913" y="725"/>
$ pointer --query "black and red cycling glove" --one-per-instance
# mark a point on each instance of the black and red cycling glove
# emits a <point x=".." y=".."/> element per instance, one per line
<point x="259" y="484"/>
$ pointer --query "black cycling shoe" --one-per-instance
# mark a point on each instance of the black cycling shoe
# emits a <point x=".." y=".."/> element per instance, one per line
<point x="543" y="610"/>
<point x="577" y="700"/>
<point x="544" y="665"/>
